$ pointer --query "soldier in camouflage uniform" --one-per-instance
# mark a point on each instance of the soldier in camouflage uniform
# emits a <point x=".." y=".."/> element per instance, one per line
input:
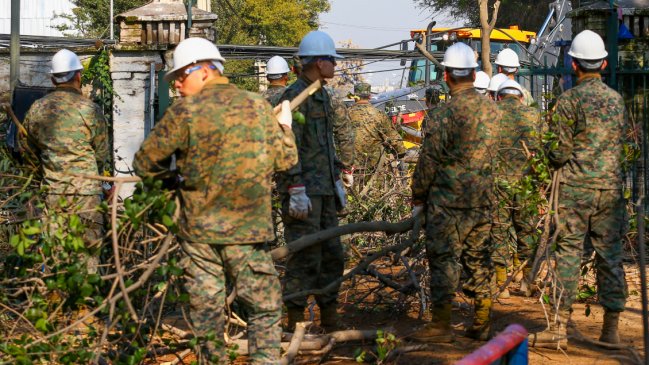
<point x="69" y="134"/>
<point x="453" y="185"/>
<point x="517" y="125"/>
<point x="508" y="63"/>
<point x="227" y="145"/>
<point x="312" y="191"/>
<point x="344" y="137"/>
<point x="374" y="132"/>
<point x="343" y="130"/>
<point x="591" y="124"/>
<point x="277" y="75"/>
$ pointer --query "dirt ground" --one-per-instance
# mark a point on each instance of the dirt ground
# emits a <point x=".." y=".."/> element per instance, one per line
<point x="399" y="318"/>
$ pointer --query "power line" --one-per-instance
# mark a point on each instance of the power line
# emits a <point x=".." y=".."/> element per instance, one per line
<point x="370" y="27"/>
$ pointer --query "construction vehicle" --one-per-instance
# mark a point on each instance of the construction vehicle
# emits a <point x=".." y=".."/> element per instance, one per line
<point x="407" y="107"/>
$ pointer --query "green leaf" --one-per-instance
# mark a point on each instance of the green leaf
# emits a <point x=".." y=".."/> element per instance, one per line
<point x="167" y="221"/>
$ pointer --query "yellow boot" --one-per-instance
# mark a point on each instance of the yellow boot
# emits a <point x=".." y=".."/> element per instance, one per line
<point x="438" y="330"/>
<point x="501" y="278"/>
<point x="481" y="320"/>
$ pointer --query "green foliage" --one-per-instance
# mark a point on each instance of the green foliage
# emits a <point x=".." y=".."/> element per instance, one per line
<point x="528" y="14"/>
<point x="90" y="18"/>
<point x="96" y="73"/>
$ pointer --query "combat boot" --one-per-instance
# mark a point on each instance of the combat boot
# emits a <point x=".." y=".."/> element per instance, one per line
<point x="501" y="278"/>
<point x="481" y="320"/>
<point x="329" y="318"/>
<point x="609" y="329"/>
<point x="295" y="315"/>
<point x="516" y="263"/>
<point x="555" y="336"/>
<point x="438" y="330"/>
<point x="526" y="285"/>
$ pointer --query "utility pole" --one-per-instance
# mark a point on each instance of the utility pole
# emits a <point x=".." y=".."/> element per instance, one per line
<point x="14" y="49"/>
<point x="111" y="20"/>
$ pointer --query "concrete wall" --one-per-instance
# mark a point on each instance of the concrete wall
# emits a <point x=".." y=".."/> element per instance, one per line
<point x="34" y="68"/>
<point x="131" y="113"/>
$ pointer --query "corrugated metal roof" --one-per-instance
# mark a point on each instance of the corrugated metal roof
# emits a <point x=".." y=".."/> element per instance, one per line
<point x="36" y="16"/>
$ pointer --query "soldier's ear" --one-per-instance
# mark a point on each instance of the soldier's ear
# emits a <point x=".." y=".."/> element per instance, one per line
<point x="604" y="64"/>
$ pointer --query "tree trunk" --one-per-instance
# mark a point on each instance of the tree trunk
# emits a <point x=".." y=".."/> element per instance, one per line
<point x="487" y="26"/>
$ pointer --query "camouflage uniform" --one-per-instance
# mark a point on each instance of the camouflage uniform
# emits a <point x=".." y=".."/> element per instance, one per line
<point x="317" y="170"/>
<point x="518" y="124"/>
<point x="453" y="175"/>
<point x="374" y="132"/>
<point x="227" y="145"/>
<point x="528" y="99"/>
<point x="273" y="93"/>
<point x="343" y="131"/>
<point x="591" y="125"/>
<point x="69" y="134"/>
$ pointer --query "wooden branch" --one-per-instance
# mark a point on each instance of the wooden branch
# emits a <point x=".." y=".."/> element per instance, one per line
<point x="422" y="48"/>
<point x="118" y="263"/>
<point x="362" y="265"/>
<point x="296" y="340"/>
<point x="315" y="238"/>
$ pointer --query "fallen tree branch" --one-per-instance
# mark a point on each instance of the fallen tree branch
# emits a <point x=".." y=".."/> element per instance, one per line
<point x="315" y="238"/>
<point x="296" y="341"/>
<point x="362" y="266"/>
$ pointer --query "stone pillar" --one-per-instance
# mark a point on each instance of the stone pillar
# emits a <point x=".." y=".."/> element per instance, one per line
<point x="130" y="71"/>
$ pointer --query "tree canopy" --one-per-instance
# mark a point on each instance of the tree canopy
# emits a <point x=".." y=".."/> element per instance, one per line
<point x="528" y="14"/>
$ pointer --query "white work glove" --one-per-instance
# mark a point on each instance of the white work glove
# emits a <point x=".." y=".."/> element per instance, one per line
<point x="417" y="210"/>
<point x="341" y="194"/>
<point x="285" y="115"/>
<point x="300" y="205"/>
<point x="348" y="178"/>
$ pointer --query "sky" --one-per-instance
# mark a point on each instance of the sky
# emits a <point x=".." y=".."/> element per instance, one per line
<point x="375" y="23"/>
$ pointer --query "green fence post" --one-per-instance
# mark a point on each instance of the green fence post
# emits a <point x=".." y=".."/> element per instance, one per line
<point x="163" y="94"/>
<point x="611" y="39"/>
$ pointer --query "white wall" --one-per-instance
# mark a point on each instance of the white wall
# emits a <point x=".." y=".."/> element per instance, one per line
<point x="36" y="16"/>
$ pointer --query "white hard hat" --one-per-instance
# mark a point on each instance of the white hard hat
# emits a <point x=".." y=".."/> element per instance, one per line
<point x="481" y="80"/>
<point x="495" y="82"/>
<point x="317" y="43"/>
<point x="65" y="61"/>
<point x="507" y="58"/>
<point x="192" y="50"/>
<point x="460" y="56"/>
<point x="510" y="87"/>
<point x="589" y="46"/>
<point x="276" y="65"/>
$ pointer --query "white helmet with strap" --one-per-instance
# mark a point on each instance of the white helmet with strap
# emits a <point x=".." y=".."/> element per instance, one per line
<point x="193" y="50"/>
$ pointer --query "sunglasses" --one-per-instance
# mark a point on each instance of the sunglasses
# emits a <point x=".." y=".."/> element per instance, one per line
<point x="183" y="75"/>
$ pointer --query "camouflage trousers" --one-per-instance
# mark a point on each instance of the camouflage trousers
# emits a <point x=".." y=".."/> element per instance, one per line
<point x="316" y="266"/>
<point x="249" y="268"/>
<point x="513" y="230"/>
<point x="597" y="215"/>
<point x="456" y="240"/>
<point x="86" y="207"/>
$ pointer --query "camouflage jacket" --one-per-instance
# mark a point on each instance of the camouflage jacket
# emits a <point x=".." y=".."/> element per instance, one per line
<point x="343" y="131"/>
<point x="318" y="167"/>
<point x="374" y="132"/>
<point x="591" y="125"/>
<point x="528" y="99"/>
<point x="273" y="93"/>
<point x="518" y="126"/>
<point x="455" y="162"/>
<point x="227" y="145"/>
<point x="69" y="134"/>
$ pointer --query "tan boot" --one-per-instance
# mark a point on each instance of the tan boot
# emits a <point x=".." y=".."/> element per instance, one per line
<point x="295" y="315"/>
<point x="329" y="318"/>
<point x="609" y="329"/>
<point x="438" y="330"/>
<point x="481" y="320"/>
<point x="526" y="286"/>
<point x="501" y="278"/>
<point x="516" y="264"/>
<point x="555" y="336"/>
